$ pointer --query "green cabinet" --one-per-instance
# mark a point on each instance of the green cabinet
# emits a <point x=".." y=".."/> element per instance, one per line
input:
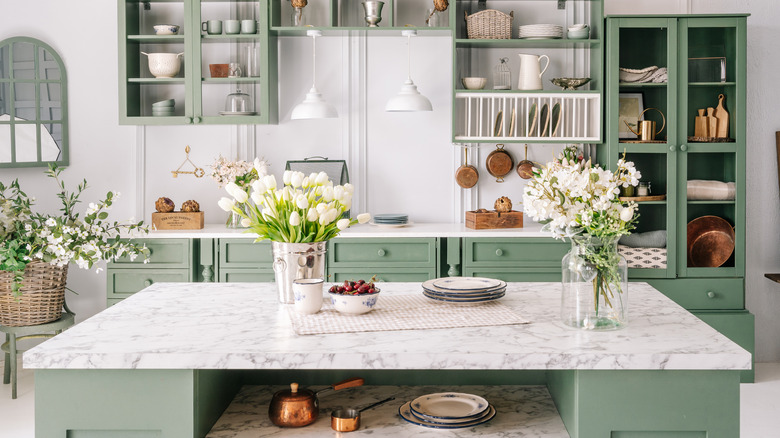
<point x="677" y="155"/>
<point x="199" y="98"/>
<point x="243" y="260"/>
<point x="514" y="259"/>
<point x="396" y="259"/>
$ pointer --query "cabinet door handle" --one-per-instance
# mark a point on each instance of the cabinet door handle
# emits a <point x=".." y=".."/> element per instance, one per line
<point x="499" y="252"/>
<point x="147" y="283"/>
<point x="381" y="253"/>
<point x="188" y="120"/>
<point x="710" y="294"/>
<point x="683" y="147"/>
<point x="196" y="120"/>
<point x="672" y="148"/>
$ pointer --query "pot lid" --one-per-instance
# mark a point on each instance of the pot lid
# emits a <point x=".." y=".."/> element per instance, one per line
<point x="294" y="394"/>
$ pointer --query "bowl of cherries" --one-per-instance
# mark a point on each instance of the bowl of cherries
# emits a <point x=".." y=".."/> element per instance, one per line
<point x="354" y="297"/>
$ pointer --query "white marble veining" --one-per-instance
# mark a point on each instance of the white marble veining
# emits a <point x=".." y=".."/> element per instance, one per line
<point x="219" y="231"/>
<point x="241" y="326"/>
<point x="521" y="411"/>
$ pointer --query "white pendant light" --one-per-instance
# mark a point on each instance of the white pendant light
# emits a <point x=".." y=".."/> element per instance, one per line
<point x="314" y="106"/>
<point x="409" y="99"/>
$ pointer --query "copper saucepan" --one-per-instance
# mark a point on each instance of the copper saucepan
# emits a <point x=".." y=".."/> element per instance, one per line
<point x="296" y="407"/>
<point x="348" y="419"/>
<point x="466" y="175"/>
<point x="526" y="168"/>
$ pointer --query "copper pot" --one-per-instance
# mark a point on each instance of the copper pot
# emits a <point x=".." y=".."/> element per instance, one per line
<point x="710" y="241"/>
<point x="499" y="163"/>
<point x="348" y="419"/>
<point x="466" y="175"/>
<point x="296" y="407"/>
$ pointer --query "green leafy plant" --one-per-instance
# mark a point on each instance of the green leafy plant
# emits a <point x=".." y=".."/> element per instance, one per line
<point x="26" y="236"/>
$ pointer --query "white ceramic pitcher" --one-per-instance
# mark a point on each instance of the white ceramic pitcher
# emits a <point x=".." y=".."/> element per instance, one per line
<point x="530" y="77"/>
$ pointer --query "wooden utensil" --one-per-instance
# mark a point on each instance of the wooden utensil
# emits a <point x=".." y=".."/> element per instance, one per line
<point x="525" y="168"/>
<point x="701" y="129"/>
<point x="712" y="123"/>
<point x="466" y="176"/>
<point x="499" y="163"/>
<point x="723" y="119"/>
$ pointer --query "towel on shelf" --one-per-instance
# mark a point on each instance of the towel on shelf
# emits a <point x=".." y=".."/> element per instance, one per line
<point x="707" y="190"/>
<point x="650" y="239"/>
<point x="648" y="74"/>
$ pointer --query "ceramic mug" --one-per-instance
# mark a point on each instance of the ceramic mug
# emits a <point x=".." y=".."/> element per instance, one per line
<point x="308" y="295"/>
<point x="248" y="26"/>
<point x="232" y="27"/>
<point x="234" y="70"/>
<point x="212" y="27"/>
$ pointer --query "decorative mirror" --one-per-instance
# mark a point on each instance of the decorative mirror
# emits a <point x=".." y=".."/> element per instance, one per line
<point x="33" y="104"/>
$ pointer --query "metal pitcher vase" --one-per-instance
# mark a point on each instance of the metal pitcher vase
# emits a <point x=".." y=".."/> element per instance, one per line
<point x="293" y="261"/>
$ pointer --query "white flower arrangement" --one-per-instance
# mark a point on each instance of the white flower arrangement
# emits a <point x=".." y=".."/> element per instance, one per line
<point x="571" y="197"/>
<point x="240" y="172"/>
<point x="305" y="209"/>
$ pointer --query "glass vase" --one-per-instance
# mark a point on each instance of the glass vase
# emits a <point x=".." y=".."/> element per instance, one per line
<point x="234" y="219"/>
<point x="297" y="18"/>
<point x="594" y="284"/>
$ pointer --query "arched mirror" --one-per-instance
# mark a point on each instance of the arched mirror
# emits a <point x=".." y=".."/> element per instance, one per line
<point x="33" y="104"/>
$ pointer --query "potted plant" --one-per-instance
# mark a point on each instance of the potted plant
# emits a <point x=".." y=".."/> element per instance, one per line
<point x="579" y="200"/>
<point x="299" y="218"/>
<point x="36" y="249"/>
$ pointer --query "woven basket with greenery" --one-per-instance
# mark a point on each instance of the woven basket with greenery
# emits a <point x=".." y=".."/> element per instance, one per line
<point x="43" y="294"/>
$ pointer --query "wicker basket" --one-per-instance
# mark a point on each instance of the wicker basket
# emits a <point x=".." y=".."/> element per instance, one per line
<point x="43" y="295"/>
<point x="489" y="25"/>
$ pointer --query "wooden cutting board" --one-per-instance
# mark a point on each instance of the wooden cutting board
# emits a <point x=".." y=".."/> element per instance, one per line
<point x="700" y="127"/>
<point x="712" y="123"/>
<point x="722" y="116"/>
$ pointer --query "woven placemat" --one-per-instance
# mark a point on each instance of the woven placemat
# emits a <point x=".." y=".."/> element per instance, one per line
<point x="405" y="312"/>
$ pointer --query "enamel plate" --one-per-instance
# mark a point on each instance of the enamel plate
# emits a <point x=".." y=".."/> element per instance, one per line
<point x="406" y="413"/>
<point x="466" y="283"/>
<point x="449" y="405"/>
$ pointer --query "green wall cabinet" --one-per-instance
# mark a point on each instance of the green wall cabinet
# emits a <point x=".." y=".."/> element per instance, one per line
<point x="715" y="294"/>
<point x="199" y="98"/>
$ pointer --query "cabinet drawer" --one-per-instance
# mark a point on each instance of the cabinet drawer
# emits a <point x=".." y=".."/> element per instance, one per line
<point x="243" y="253"/>
<point x="246" y="276"/>
<point x="704" y="293"/>
<point x="124" y="282"/>
<point x="164" y="253"/>
<point x="519" y="274"/>
<point x="383" y="252"/>
<point x="518" y="252"/>
<point x="409" y="274"/>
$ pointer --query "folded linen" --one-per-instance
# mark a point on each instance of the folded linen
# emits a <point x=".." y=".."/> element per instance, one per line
<point x="650" y="239"/>
<point x="707" y="190"/>
<point x="648" y="74"/>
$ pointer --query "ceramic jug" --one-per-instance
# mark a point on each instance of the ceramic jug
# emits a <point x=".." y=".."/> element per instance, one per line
<point x="530" y="77"/>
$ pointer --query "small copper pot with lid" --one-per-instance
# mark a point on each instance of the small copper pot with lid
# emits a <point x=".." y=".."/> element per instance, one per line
<point x="296" y="407"/>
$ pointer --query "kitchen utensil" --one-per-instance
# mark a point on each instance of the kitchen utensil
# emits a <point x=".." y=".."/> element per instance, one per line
<point x="710" y="241"/>
<point x="466" y="175"/>
<point x="296" y="407"/>
<point x="166" y="29"/>
<point x="530" y="76"/>
<point x="570" y="83"/>
<point x="474" y="83"/>
<point x="532" y="116"/>
<point x="405" y="412"/>
<point x="212" y="27"/>
<point x="499" y="125"/>
<point x="238" y="102"/>
<point x="712" y="123"/>
<point x="499" y="163"/>
<point x="701" y="127"/>
<point x="525" y="168"/>
<point x="164" y="65"/>
<point x="348" y="419"/>
<point x="723" y="118"/>
<point x="544" y="121"/>
<point x="555" y="119"/>
<point x="646" y="128"/>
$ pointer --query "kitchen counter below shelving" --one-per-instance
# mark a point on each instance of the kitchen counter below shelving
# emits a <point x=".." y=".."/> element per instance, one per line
<point x="427" y="229"/>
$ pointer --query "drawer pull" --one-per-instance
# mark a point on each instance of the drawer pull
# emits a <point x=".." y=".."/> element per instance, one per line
<point x="710" y="294"/>
<point x="381" y="253"/>
<point x="147" y="283"/>
<point x="499" y="252"/>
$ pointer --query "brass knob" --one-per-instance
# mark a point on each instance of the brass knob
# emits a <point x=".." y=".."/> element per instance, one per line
<point x="381" y="253"/>
<point x="499" y="252"/>
<point x="710" y="294"/>
<point x="147" y="283"/>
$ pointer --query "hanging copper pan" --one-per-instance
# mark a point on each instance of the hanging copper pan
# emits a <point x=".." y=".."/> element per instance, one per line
<point x="499" y="163"/>
<point x="466" y="175"/>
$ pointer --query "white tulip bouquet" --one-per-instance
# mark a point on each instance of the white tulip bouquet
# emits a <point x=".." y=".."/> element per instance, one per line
<point x="306" y="209"/>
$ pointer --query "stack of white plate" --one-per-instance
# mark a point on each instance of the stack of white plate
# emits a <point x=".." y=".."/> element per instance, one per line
<point x="539" y="31"/>
<point x="447" y="410"/>
<point x="464" y="289"/>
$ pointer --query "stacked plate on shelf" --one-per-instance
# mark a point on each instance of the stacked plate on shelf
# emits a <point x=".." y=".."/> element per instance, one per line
<point x="447" y="410"/>
<point x="464" y="289"/>
<point x="390" y="220"/>
<point x="164" y="108"/>
<point x="540" y="31"/>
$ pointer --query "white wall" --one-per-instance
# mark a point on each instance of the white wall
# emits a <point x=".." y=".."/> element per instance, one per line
<point x="405" y="160"/>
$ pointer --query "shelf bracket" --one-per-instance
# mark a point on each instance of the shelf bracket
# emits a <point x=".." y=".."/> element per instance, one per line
<point x="561" y="4"/>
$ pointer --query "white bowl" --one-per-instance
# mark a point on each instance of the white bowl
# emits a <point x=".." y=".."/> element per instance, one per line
<point x="578" y="26"/>
<point x="164" y="65"/>
<point x="166" y="29"/>
<point x="474" y="83"/>
<point x="354" y="304"/>
<point x="578" y="34"/>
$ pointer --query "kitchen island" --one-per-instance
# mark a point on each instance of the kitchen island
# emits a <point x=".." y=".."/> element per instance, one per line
<point x="167" y="361"/>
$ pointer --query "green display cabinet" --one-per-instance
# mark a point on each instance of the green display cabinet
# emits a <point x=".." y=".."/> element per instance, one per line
<point x="199" y="97"/>
<point x="705" y="57"/>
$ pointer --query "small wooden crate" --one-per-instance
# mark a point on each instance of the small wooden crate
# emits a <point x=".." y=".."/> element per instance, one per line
<point x="493" y="219"/>
<point x="177" y="220"/>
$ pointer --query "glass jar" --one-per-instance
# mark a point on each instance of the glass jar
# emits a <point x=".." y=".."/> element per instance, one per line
<point x="643" y="189"/>
<point x="594" y="284"/>
<point x="298" y="18"/>
<point x="502" y="76"/>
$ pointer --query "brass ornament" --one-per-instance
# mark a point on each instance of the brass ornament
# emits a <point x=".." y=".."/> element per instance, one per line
<point x="197" y="171"/>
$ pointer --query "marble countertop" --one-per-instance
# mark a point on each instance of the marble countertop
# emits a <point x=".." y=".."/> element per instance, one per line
<point x="241" y="326"/>
<point x="219" y="231"/>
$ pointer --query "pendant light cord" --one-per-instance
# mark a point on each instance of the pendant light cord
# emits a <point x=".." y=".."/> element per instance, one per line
<point x="313" y="61"/>
<point x="409" y="57"/>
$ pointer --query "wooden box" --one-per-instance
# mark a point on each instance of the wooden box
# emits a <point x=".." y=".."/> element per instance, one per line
<point x="492" y="219"/>
<point x="177" y="220"/>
